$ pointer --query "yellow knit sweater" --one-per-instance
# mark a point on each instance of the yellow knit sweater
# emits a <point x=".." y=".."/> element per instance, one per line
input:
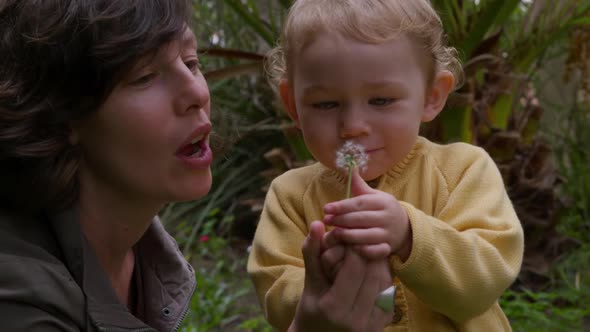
<point x="467" y="240"/>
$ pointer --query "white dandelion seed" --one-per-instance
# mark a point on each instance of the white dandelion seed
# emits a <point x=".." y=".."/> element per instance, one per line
<point x="351" y="155"/>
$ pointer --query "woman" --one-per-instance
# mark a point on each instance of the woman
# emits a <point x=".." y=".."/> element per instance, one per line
<point x="104" y="118"/>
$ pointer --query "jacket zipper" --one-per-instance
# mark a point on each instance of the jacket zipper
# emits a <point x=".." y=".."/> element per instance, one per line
<point x="179" y="322"/>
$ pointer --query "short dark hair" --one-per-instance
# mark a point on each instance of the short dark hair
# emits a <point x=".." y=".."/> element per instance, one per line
<point x="59" y="61"/>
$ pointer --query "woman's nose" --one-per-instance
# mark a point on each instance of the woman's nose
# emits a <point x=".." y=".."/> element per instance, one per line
<point x="194" y="92"/>
<point x="353" y="123"/>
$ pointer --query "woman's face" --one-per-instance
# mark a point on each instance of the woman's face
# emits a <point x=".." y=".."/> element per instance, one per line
<point x="149" y="141"/>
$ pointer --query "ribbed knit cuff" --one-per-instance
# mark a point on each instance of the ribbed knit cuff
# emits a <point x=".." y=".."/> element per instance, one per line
<point x="423" y="246"/>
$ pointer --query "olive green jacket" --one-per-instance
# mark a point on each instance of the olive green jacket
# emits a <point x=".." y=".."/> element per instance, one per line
<point x="50" y="280"/>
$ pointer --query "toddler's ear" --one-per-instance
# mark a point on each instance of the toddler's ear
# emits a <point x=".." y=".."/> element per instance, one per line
<point x="288" y="100"/>
<point x="437" y="96"/>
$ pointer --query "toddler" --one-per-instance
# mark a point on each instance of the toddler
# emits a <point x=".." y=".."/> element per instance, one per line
<point x="370" y="72"/>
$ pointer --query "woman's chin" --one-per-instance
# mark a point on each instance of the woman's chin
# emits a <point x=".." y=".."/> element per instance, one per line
<point x="200" y="188"/>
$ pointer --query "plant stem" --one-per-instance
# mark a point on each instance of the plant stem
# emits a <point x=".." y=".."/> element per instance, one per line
<point x="349" y="182"/>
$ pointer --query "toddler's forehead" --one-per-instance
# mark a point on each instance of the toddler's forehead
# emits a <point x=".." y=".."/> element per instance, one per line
<point x="324" y="42"/>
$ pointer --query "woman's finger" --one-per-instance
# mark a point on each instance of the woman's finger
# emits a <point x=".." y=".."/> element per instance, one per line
<point x="330" y="240"/>
<point x="377" y="278"/>
<point x="332" y="256"/>
<point x="348" y="281"/>
<point x="315" y="279"/>
<point x="332" y="260"/>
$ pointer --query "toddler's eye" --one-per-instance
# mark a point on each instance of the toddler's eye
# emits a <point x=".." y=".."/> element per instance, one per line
<point x="381" y="101"/>
<point x="325" y="105"/>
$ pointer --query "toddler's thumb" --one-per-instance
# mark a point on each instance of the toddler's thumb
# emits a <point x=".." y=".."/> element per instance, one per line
<point x="358" y="186"/>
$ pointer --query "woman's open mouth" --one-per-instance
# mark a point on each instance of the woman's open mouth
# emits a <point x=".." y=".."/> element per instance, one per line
<point x="194" y="149"/>
<point x="196" y="152"/>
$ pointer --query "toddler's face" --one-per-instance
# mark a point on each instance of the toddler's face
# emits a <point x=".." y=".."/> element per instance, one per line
<point x="372" y="94"/>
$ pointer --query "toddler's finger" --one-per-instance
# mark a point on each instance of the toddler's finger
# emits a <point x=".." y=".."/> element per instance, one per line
<point x="358" y="186"/>
<point x="362" y="236"/>
<point x="373" y="251"/>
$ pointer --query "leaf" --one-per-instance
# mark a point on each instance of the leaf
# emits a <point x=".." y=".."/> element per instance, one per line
<point x="456" y="124"/>
<point x="581" y="21"/>
<point x="450" y="21"/>
<point x="492" y="13"/>
<point x="499" y="114"/>
<point x="255" y="22"/>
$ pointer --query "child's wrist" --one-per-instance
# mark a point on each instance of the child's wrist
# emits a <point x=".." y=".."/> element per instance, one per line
<point x="405" y="250"/>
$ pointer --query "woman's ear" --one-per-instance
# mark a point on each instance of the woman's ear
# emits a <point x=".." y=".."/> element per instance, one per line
<point x="288" y="99"/>
<point x="437" y="96"/>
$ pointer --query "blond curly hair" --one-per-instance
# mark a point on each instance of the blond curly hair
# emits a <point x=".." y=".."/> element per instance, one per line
<point x="370" y="21"/>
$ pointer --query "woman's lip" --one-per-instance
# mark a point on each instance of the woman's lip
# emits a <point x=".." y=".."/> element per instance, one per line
<point x="202" y="160"/>
<point x="202" y="130"/>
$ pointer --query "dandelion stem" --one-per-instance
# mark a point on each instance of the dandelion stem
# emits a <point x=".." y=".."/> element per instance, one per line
<point x="349" y="182"/>
<point x="351" y="156"/>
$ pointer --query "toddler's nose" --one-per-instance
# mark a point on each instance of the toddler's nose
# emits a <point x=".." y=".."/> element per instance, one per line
<point x="353" y="123"/>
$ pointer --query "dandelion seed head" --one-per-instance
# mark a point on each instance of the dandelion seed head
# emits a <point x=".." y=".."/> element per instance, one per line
<point x="351" y="155"/>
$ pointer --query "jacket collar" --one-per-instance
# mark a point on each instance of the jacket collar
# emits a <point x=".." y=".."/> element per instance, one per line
<point x="165" y="282"/>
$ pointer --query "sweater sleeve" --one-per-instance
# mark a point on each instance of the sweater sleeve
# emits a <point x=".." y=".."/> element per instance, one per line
<point x="463" y="258"/>
<point x="276" y="263"/>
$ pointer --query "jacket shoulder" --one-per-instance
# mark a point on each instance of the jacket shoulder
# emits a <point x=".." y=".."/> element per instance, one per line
<point x="33" y="282"/>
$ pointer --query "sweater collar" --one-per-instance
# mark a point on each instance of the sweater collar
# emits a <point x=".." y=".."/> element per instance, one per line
<point x="392" y="174"/>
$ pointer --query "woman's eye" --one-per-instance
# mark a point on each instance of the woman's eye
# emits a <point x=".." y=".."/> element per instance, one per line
<point x="325" y="105"/>
<point x="193" y="65"/>
<point x="381" y="101"/>
<point x="145" y="79"/>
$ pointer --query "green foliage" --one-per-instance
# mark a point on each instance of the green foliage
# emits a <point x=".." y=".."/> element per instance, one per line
<point x="573" y="157"/>
<point x="501" y="44"/>
<point x="562" y="305"/>
<point x="559" y="310"/>
<point x="223" y="299"/>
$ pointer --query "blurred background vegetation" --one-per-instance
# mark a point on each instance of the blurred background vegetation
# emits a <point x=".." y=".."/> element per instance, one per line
<point x="526" y="100"/>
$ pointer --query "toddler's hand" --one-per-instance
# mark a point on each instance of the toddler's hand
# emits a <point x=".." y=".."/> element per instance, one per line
<point x="373" y="222"/>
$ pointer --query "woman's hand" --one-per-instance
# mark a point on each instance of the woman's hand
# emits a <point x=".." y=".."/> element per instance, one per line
<point x="347" y="304"/>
